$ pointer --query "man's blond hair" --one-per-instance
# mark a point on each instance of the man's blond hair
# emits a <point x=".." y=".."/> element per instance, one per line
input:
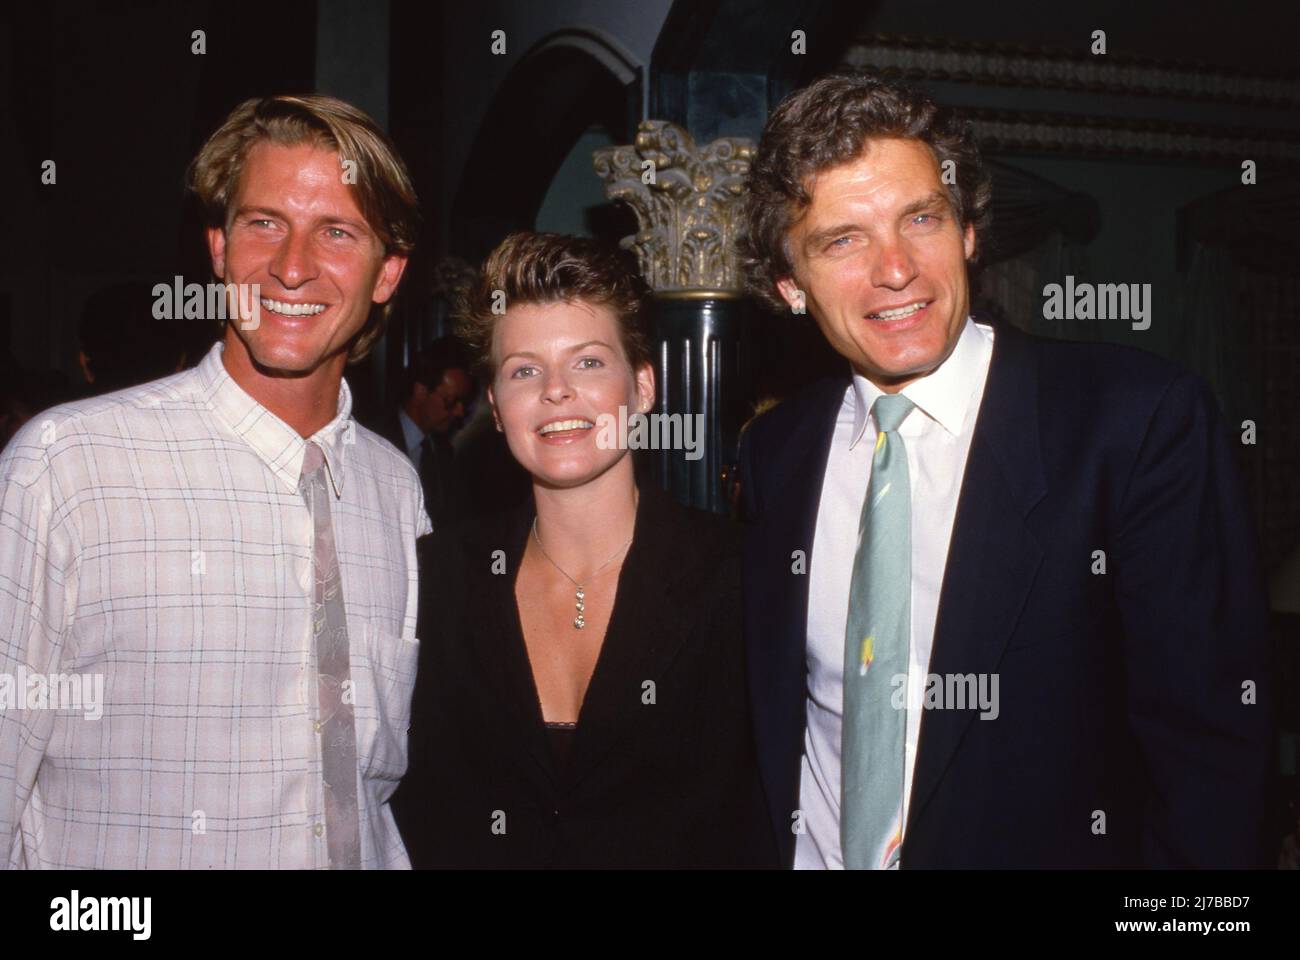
<point x="379" y="179"/>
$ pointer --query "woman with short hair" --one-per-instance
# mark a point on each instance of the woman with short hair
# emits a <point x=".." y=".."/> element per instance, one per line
<point x="581" y="695"/>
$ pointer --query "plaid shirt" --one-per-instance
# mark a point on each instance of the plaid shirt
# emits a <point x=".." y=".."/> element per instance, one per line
<point x="155" y="539"/>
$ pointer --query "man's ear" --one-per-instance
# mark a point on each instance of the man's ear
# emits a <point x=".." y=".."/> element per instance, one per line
<point x="968" y="240"/>
<point x="390" y="273"/>
<point x="791" y="294"/>
<point x="217" y="250"/>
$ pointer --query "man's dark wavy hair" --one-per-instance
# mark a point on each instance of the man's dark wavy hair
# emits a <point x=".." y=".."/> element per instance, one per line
<point x="826" y="124"/>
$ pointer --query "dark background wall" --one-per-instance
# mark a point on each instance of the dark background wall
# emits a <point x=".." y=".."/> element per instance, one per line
<point x="113" y="93"/>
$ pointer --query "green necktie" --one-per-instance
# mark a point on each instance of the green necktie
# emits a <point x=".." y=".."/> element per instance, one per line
<point x="876" y="646"/>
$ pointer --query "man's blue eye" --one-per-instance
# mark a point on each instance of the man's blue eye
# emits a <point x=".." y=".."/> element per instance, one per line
<point x="521" y="370"/>
<point x="594" y="360"/>
<point x="338" y="233"/>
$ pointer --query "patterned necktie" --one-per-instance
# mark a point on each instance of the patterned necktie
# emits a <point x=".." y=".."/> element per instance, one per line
<point x="335" y="721"/>
<point x="876" y="645"/>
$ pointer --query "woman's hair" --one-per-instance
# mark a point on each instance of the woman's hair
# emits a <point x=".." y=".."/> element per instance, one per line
<point x="379" y="179"/>
<point x="826" y="124"/>
<point x="541" y="268"/>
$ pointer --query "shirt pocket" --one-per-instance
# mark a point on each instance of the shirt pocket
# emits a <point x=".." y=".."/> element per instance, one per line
<point x="385" y="681"/>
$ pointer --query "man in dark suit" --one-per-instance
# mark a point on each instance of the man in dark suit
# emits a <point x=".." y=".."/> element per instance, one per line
<point x="434" y="392"/>
<point x="1002" y="600"/>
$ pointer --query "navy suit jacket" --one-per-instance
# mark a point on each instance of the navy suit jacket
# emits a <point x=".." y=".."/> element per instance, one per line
<point x="1122" y="737"/>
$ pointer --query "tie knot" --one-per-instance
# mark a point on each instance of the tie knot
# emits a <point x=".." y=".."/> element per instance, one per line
<point x="890" y="410"/>
<point x="312" y="459"/>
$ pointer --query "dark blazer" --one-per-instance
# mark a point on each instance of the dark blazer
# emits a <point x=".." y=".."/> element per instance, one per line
<point x="1120" y="693"/>
<point x="439" y="480"/>
<point x="671" y="783"/>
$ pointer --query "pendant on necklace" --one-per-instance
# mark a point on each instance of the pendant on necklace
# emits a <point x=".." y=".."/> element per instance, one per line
<point x="579" y="621"/>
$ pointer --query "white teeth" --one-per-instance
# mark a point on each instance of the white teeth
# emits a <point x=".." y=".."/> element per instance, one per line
<point x="896" y="314"/>
<point x="566" y="425"/>
<point x="293" y="309"/>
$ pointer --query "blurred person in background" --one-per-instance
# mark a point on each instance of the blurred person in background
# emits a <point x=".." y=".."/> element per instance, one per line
<point x="436" y="388"/>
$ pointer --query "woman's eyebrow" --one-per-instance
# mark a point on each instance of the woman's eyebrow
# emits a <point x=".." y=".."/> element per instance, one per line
<point x="573" y="349"/>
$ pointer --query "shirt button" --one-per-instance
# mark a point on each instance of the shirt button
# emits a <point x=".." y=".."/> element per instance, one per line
<point x="318" y="829"/>
<point x="316" y="726"/>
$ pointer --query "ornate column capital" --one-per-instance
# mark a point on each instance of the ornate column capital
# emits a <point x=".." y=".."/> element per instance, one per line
<point x="687" y="201"/>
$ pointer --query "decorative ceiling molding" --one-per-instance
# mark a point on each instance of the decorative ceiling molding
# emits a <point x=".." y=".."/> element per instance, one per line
<point x="925" y="58"/>
<point x="1077" y="134"/>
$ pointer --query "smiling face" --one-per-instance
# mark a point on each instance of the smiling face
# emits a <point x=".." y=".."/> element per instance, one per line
<point x="880" y="260"/>
<point x="295" y="229"/>
<point x="559" y="367"/>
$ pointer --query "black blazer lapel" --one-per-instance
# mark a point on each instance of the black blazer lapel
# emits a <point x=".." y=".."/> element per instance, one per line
<point x="993" y="556"/>
<point x="796" y="445"/>
<point x="649" y="623"/>
<point x="498" y="639"/>
<point x="645" y="633"/>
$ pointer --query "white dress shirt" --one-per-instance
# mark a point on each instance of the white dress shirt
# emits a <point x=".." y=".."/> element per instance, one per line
<point x="937" y="435"/>
<point x="413" y="436"/>
<point x="156" y="537"/>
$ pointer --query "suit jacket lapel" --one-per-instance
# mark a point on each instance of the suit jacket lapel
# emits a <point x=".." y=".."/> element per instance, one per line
<point x="789" y="519"/>
<point x="993" y="556"/>
<point x="645" y="633"/>
<point x="777" y="600"/>
<point x="499" y="640"/>
<point x="652" y="613"/>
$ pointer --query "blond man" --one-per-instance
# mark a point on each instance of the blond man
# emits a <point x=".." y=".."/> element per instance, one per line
<point x="224" y="556"/>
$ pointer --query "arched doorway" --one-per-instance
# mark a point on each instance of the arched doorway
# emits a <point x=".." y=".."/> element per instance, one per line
<point x="567" y="86"/>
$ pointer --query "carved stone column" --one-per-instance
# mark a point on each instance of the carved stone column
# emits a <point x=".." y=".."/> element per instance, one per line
<point x="687" y="201"/>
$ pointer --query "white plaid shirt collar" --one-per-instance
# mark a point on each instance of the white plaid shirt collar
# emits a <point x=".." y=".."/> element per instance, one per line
<point x="277" y="443"/>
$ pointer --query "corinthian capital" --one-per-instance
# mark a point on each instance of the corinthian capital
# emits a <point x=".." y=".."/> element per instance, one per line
<point x="687" y="201"/>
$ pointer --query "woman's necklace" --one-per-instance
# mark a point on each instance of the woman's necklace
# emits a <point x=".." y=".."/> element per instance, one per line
<point x="579" y="621"/>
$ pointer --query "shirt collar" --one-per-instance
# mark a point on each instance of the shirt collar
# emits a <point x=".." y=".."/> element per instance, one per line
<point x="278" y="444"/>
<point x="411" y="431"/>
<point x="944" y="394"/>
